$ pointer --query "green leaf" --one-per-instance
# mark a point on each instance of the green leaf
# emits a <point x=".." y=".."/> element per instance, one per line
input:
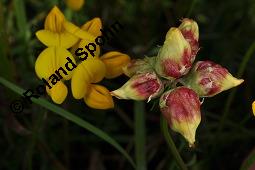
<point x="70" y="116"/>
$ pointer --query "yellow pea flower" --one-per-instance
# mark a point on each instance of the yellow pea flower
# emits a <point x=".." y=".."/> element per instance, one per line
<point x="114" y="62"/>
<point x="75" y="4"/>
<point x="93" y="70"/>
<point x="95" y="96"/>
<point x="98" y="97"/>
<point x="51" y="64"/>
<point x="88" y="71"/>
<point x="253" y="108"/>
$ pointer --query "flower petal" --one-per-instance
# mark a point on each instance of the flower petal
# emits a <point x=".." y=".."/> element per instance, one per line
<point x="114" y="62"/>
<point x="50" y="39"/>
<point x="98" y="97"/>
<point x="54" y="20"/>
<point x="51" y="59"/>
<point x="89" y="71"/>
<point x="93" y="27"/>
<point x="94" y="49"/>
<point x="80" y="82"/>
<point x="58" y="92"/>
<point x="73" y="29"/>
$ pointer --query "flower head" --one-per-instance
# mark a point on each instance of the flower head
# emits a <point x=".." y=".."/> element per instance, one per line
<point x="208" y="79"/>
<point x="181" y="108"/>
<point x="174" y="58"/>
<point x="141" y="86"/>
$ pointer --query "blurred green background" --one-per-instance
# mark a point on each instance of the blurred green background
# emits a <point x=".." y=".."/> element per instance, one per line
<point x="38" y="139"/>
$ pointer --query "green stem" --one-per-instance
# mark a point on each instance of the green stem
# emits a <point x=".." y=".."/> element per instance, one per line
<point x="140" y="135"/>
<point x="170" y="144"/>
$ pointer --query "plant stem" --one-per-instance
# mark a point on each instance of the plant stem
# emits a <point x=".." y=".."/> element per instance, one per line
<point x="170" y="144"/>
<point x="140" y="151"/>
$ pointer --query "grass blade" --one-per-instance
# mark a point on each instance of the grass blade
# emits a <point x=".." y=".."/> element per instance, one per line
<point x="69" y="116"/>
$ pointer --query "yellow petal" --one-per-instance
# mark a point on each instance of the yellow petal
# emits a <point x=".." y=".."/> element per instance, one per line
<point x="54" y="20"/>
<point x="73" y="29"/>
<point x="253" y="108"/>
<point x="51" y="59"/>
<point x="93" y="27"/>
<point x="80" y="82"/>
<point x="75" y="4"/>
<point x="58" y="92"/>
<point x="114" y="62"/>
<point x="89" y="47"/>
<point x="99" y="97"/>
<point x="95" y="68"/>
<point x="230" y="82"/>
<point x="89" y="71"/>
<point x="50" y="39"/>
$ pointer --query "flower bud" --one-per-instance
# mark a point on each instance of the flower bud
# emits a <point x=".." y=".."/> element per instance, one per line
<point x="98" y="97"/>
<point x="140" y="87"/>
<point x="208" y="79"/>
<point x="114" y="61"/>
<point x="137" y="66"/>
<point x="174" y="58"/>
<point x="190" y="31"/>
<point x="181" y="108"/>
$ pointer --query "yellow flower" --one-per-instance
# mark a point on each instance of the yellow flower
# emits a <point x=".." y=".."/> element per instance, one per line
<point x="88" y="71"/>
<point x="98" y="97"/>
<point x="253" y="108"/>
<point x="75" y="4"/>
<point x="93" y="70"/>
<point x="52" y="63"/>
<point x="114" y="62"/>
